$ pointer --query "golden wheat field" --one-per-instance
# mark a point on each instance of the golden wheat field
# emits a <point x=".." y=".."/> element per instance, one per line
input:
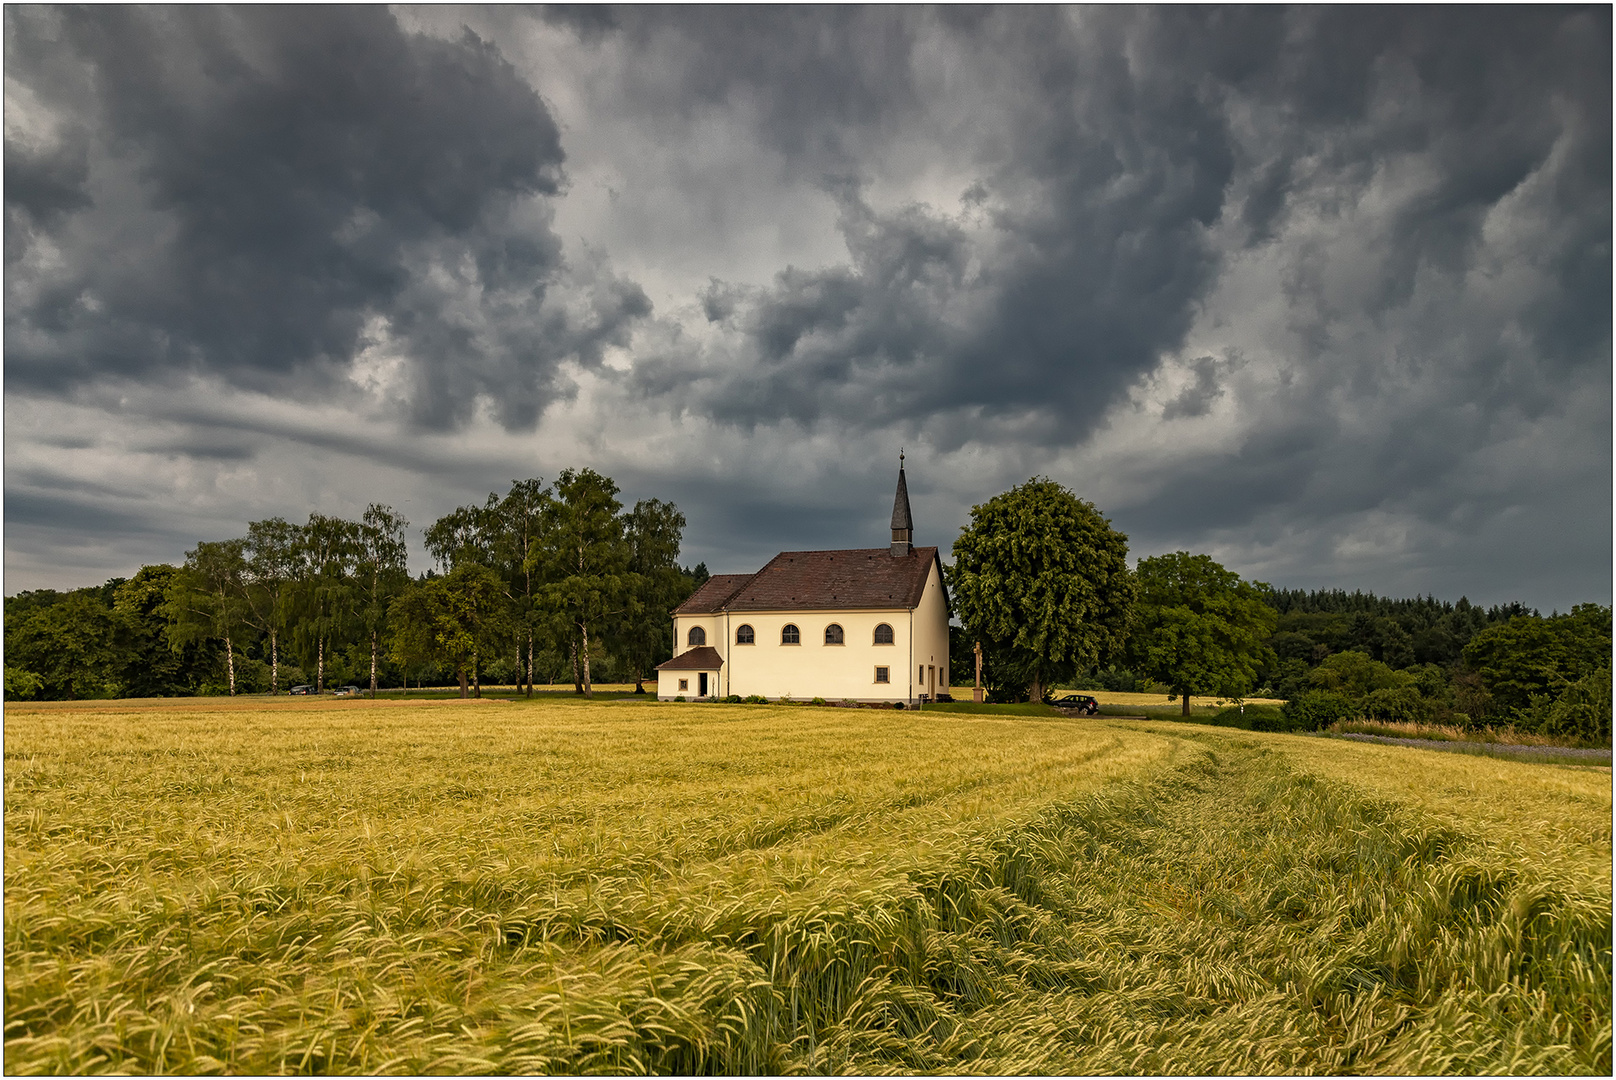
<point x="562" y="886"/>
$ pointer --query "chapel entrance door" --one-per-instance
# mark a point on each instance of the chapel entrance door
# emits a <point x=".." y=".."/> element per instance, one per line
<point x="701" y="684"/>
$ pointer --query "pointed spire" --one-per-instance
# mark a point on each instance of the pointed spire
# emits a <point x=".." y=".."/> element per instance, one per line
<point x="903" y="524"/>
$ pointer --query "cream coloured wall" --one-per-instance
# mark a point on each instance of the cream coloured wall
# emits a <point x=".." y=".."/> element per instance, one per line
<point x="916" y="661"/>
<point x="668" y="684"/>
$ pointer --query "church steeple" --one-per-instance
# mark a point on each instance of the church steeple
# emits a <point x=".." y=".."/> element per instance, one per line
<point x="903" y="526"/>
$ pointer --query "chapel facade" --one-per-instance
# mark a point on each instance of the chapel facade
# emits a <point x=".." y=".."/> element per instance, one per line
<point x="865" y="624"/>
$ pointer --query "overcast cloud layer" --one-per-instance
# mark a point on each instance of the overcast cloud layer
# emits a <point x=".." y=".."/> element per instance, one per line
<point x="1323" y="292"/>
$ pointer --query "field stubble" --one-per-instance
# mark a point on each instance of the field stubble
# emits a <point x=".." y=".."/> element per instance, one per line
<point x="565" y="887"/>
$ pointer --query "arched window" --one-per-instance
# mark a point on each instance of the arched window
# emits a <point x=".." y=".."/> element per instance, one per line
<point x="744" y="636"/>
<point x="789" y="635"/>
<point x="883" y="634"/>
<point x="698" y="636"/>
<point x="833" y="634"/>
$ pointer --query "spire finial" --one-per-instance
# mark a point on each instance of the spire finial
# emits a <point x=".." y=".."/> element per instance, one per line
<point x="900" y="457"/>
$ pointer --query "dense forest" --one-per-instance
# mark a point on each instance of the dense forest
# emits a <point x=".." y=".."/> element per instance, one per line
<point x="562" y="584"/>
<point x="543" y="585"/>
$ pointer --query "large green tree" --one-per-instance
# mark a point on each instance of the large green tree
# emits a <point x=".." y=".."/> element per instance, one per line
<point x="519" y="519"/>
<point x="1533" y="655"/>
<point x="70" y="648"/>
<point x="207" y="598"/>
<point x="582" y="559"/>
<point x="324" y="592"/>
<point x="1041" y="579"/>
<point x="1198" y="627"/>
<point x="653" y="531"/>
<point x="455" y="619"/>
<point x="381" y="571"/>
<point x="272" y="551"/>
<point x="152" y="666"/>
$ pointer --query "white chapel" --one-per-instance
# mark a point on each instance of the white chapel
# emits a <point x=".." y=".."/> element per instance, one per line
<point x="867" y="624"/>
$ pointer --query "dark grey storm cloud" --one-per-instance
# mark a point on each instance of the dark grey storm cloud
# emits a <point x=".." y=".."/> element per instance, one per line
<point x="296" y="173"/>
<point x="1123" y="129"/>
<point x="1324" y="291"/>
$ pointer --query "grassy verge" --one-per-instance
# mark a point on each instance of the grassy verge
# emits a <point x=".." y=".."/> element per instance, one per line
<point x="1448" y="733"/>
<point x="485" y="887"/>
<point x="1024" y="708"/>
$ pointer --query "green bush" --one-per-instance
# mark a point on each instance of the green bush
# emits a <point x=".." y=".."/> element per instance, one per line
<point x="1318" y="710"/>
<point x="1580" y="710"/>
<point x="1254" y="718"/>
<point x="1397" y="705"/>
<point x="755" y="699"/>
<point x="734" y="699"/>
<point x="22" y="685"/>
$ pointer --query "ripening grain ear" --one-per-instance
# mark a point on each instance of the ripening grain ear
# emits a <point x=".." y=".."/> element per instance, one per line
<point x="572" y="887"/>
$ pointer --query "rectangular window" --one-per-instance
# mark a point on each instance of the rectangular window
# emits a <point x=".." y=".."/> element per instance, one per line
<point x="881" y="674"/>
<point x="684" y="684"/>
<point x="920" y="675"/>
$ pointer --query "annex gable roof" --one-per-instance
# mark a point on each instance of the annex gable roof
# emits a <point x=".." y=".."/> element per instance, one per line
<point x="701" y="658"/>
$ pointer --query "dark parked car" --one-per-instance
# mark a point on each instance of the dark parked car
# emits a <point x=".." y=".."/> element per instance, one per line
<point x="346" y="691"/>
<point x="1081" y="702"/>
<point x="301" y="690"/>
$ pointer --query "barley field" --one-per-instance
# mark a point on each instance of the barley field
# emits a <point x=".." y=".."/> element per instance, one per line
<point x="559" y="886"/>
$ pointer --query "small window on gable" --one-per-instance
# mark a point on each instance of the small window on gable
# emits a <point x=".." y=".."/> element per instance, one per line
<point x="833" y="634"/>
<point x="789" y="635"/>
<point x="881" y="674"/>
<point x="883" y="634"/>
<point x="744" y="636"/>
<point x="698" y="636"/>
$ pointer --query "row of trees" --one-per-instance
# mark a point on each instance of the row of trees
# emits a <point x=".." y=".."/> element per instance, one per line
<point x="549" y="581"/>
<point x="1041" y="581"/>
<point x="532" y="583"/>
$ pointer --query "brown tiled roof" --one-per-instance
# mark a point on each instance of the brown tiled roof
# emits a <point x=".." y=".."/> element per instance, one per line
<point x="705" y="658"/>
<point x="713" y="594"/>
<point x="819" y="580"/>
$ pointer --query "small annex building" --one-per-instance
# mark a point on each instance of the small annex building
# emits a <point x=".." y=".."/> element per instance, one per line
<point x="866" y="624"/>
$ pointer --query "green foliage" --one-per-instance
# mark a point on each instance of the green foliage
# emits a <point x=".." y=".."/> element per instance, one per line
<point x="1532" y="655"/>
<point x="653" y="531"/>
<point x="1397" y="705"/>
<point x="1199" y="628"/>
<point x="381" y="572"/>
<point x="206" y="600"/>
<point x="1581" y="710"/>
<point x="461" y="618"/>
<point x="582" y="558"/>
<point x="1355" y="675"/>
<point x="1318" y="709"/>
<point x="272" y="552"/>
<point x="324" y="596"/>
<point x="1257" y="718"/>
<point x="1041" y="579"/>
<point x="22" y="685"/>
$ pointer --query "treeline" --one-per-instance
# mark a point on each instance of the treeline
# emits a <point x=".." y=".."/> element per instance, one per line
<point x="1045" y="597"/>
<point x="1337" y="655"/>
<point x="544" y="584"/>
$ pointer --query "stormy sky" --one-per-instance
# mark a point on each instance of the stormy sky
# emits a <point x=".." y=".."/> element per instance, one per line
<point x="1325" y="292"/>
